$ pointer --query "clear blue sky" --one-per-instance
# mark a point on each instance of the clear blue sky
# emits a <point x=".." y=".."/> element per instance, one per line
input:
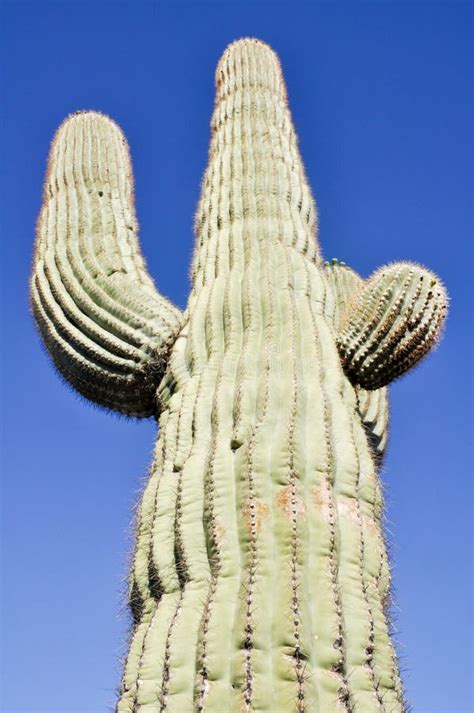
<point x="381" y="94"/>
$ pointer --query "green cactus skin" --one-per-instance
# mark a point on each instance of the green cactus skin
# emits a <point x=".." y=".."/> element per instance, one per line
<point x="105" y="325"/>
<point x="259" y="579"/>
<point x="392" y="324"/>
<point x="344" y="286"/>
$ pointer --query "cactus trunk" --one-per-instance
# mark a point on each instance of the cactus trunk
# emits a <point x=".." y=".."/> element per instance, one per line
<point x="260" y="578"/>
<point x="261" y="567"/>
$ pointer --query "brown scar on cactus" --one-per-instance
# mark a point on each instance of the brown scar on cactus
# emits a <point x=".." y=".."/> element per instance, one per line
<point x="290" y="503"/>
<point x="259" y="579"/>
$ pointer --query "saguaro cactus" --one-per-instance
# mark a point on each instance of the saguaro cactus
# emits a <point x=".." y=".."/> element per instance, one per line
<point x="260" y="578"/>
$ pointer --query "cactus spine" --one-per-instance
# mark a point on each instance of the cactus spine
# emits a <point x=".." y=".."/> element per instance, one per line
<point x="260" y="579"/>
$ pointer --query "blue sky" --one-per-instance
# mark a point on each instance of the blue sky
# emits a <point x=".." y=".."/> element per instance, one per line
<point x="381" y="95"/>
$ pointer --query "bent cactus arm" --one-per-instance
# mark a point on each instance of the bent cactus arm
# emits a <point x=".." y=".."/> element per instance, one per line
<point x="344" y="285"/>
<point x="260" y="578"/>
<point x="105" y="325"/>
<point x="394" y="321"/>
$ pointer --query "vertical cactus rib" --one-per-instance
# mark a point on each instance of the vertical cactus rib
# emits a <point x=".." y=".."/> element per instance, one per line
<point x="320" y="683"/>
<point x="140" y="587"/>
<point x="356" y="613"/>
<point x="223" y="323"/>
<point x="128" y="695"/>
<point x="378" y="650"/>
<point x="105" y="326"/>
<point x="330" y="653"/>
<point x="300" y="594"/>
<point x="381" y="653"/>
<point x="243" y="439"/>
<point x="259" y="579"/>
<point x="373" y="411"/>
<point x="221" y="605"/>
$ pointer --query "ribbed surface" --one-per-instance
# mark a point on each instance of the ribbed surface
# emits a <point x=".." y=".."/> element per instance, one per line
<point x="396" y="319"/>
<point x="344" y="287"/>
<point x="101" y="318"/>
<point x="260" y="579"/>
<point x="260" y="574"/>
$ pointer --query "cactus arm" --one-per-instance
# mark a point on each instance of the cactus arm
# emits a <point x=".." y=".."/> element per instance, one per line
<point x="344" y="284"/>
<point x="101" y="318"/>
<point x="391" y="324"/>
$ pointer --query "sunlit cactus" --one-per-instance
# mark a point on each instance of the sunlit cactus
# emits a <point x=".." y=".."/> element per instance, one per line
<point x="259" y="579"/>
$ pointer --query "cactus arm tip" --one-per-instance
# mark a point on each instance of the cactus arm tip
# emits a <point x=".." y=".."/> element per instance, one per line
<point x="101" y="318"/>
<point x="249" y="60"/>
